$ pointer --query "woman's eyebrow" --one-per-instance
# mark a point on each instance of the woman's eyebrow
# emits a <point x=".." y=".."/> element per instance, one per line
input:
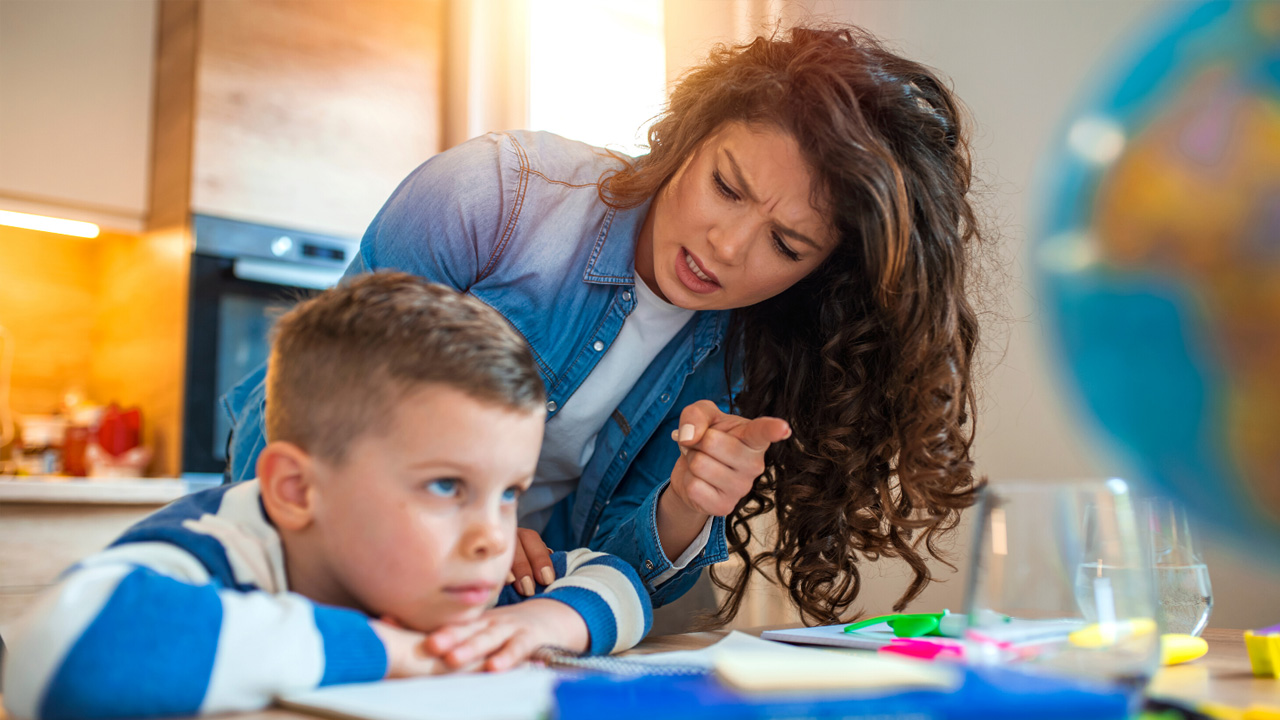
<point x="750" y="195"/>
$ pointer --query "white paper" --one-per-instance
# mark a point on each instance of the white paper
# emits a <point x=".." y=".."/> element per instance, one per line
<point x="868" y="638"/>
<point x="523" y="694"/>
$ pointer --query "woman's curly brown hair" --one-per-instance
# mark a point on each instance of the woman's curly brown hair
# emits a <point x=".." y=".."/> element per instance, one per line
<point x="869" y="357"/>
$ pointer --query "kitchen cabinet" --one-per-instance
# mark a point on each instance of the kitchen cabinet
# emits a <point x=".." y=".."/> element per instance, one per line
<point x="286" y="112"/>
<point x="38" y="540"/>
<point x="301" y="114"/>
<point x="136" y="113"/>
<point x="76" y="80"/>
<point x="290" y="113"/>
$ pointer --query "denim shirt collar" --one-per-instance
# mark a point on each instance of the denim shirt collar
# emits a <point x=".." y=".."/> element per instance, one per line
<point x="613" y="262"/>
<point x="613" y="256"/>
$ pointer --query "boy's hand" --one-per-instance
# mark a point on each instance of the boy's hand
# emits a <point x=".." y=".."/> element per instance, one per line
<point x="505" y="637"/>
<point x="407" y="654"/>
<point x="532" y="560"/>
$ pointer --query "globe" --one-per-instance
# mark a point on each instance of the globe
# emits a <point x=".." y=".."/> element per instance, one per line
<point x="1157" y="254"/>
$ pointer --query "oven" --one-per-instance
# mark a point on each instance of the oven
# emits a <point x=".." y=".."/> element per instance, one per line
<point x="243" y="276"/>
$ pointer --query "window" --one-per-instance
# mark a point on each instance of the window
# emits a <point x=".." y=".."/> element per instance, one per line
<point x="597" y="70"/>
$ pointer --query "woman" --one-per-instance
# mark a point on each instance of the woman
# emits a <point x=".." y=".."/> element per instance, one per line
<point x="766" y="313"/>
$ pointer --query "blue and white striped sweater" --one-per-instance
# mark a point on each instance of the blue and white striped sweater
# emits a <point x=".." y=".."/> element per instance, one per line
<point x="189" y="613"/>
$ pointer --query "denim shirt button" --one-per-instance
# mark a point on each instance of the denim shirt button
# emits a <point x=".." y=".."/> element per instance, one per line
<point x="597" y="345"/>
<point x="626" y="295"/>
<point x="665" y="397"/>
<point x="623" y="454"/>
<point x="551" y="406"/>
<point x="648" y="564"/>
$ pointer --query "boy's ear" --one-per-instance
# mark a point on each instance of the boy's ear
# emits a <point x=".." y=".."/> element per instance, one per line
<point x="286" y="477"/>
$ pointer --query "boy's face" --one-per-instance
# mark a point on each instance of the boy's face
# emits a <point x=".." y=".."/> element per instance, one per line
<point x="418" y="523"/>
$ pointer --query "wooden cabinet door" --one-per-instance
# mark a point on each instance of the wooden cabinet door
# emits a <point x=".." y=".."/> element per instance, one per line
<point x="76" y="80"/>
<point x="308" y="114"/>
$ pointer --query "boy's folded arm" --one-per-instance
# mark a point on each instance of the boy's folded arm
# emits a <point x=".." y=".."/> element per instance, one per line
<point x="606" y="592"/>
<point x="117" y="638"/>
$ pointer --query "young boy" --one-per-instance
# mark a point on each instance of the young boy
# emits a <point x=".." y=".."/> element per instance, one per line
<point x="404" y="420"/>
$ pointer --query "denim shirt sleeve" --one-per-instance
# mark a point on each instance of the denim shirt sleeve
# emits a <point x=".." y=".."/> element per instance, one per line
<point x="246" y="405"/>
<point x="629" y="525"/>
<point x="444" y="223"/>
<point x="451" y="218"/>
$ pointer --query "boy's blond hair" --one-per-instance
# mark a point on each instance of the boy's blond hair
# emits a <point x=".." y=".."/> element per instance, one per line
<point x="341" y="360"/>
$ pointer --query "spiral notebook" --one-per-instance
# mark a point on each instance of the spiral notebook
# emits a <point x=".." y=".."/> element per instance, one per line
<point x="523" y="694"/>
<point x="657" y="664"/>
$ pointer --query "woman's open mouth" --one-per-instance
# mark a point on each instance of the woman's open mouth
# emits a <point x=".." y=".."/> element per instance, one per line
<point x="693" y="275"/>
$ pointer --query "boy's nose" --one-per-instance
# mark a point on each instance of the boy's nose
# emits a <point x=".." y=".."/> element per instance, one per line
<point x="485" y="537"/>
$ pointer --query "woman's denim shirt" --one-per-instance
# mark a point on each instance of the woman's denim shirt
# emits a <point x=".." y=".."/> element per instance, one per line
<point x="515" y="220"/>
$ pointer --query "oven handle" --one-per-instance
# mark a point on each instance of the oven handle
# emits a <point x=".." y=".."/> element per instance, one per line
<point x="278" y="273"/>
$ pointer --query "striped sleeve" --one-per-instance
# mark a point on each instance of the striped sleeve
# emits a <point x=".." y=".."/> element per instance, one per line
<point x="140" y="631"/>
<point x="606" y="592"/>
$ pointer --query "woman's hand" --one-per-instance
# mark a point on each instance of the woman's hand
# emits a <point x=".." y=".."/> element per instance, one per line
<point x="721" y="455"/>
<point x="532" y="557"/>
<point x="506" y="636"/>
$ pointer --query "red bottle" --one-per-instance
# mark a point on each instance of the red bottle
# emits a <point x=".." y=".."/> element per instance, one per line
<point x="74" y="445"/>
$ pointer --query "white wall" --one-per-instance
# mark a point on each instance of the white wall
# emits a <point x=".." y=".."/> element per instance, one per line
<point x="1019" y="65"/>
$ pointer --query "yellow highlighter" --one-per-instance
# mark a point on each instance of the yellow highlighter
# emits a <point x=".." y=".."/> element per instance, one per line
<point x="1264" y="651"/>
<point x="1101" y="635"/>
<point x="1176" y="648"/>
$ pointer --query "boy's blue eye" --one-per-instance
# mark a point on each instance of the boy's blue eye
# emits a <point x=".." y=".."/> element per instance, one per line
<point x="511" y="494"/>
<point x="444" y="487"/>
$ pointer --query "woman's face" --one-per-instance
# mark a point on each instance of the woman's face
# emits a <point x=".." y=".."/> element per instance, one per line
<point x="735" y="225"/>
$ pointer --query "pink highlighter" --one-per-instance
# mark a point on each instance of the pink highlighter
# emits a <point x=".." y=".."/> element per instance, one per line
<point x="925" y="649"/>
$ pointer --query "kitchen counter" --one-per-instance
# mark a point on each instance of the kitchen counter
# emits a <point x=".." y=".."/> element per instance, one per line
<point x="105" y="491"/>
<point x="48" y="523"/>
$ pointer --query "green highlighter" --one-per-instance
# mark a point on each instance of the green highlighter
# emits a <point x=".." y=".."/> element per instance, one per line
<point x="906" y="625"/>
<point x="943" y="624"/>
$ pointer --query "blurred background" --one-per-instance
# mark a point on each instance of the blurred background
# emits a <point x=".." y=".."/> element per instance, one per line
<point x="301" y="117"/>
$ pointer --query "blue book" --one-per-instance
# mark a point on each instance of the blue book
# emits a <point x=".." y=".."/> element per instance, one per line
<point x="985" y="694"/>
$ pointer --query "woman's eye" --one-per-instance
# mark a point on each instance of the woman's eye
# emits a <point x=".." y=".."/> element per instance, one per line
<point x="782" y="247"/>
<point x="722" y="187"/>
<point x="445" y="487"/>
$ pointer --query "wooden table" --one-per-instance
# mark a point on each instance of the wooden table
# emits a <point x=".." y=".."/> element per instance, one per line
<point x="1222" y="676"/>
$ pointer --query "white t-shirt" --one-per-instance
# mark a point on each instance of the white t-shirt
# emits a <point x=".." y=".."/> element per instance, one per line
<point x="570" y="437"/>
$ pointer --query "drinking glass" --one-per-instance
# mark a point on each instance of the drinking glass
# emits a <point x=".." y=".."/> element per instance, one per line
<point x="1065" y="561"/>
<point x="1181" y="576"/>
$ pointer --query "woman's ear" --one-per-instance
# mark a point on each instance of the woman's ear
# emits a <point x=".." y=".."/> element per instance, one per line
<point x="286" y="476"/>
